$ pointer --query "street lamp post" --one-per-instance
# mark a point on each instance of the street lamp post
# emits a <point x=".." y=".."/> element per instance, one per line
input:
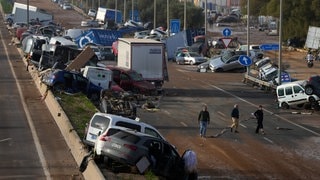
<point x="248" y="33"/>
<point x="185" y="15"/>
<point x="132" y="8"/>
<point x="27" y="13"/>
<point x="168" y="24"/>
<point x="154" y="13"/>
<point x="124" y="9"/>
<point x="280" y="42"/>
<point x="205" y="18"/>
<point x="116" y="12"/>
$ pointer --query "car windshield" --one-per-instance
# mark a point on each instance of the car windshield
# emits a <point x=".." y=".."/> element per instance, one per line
<point x="135" y="76"/>
<point x="226" y="56"/>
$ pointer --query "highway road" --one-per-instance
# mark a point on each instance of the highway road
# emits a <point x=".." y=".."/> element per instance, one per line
<point x="31" y="145"/>
<point x="289" y="150"/>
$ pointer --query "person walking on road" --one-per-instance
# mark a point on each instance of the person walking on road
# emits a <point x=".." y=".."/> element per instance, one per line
<point x="203" y="120"/>
<point x="259" y="115"/>
<point x="235" y="118"/>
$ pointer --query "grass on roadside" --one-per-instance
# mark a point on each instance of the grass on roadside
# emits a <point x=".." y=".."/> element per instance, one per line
<point x="79" y="110"/>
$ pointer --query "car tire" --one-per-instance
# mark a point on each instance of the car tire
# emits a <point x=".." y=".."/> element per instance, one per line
<point x="312" y="100"/>
<point x="308" y="90"/>
<point x="285" y="105"/>
<point x="59" y="87"/>
<point x="219" y="70"/>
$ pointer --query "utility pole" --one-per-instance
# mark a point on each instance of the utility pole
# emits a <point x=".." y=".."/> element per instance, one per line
<point x="185" y="15"/>
<point x="280" y="47"/>
<point x="124" y="10"/>
<point x="168" y="18"/>
<point x="28" y="13"/>
<point x="154" y="13"/>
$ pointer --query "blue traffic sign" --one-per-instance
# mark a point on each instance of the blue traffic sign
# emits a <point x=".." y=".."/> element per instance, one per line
<point x="175" y="25"/>
<point x="285" y="77"/>
<point x="245" y="60"/>
<point x="269" y="47"/>
<point x="226" y="32"/>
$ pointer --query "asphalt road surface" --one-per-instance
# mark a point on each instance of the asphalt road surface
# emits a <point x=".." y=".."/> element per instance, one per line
<point x="31" y="145"/>
<point x="290" y="148"/>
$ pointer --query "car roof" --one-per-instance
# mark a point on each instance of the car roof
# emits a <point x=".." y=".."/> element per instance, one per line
<point x="117" y="118"/>
<point x="300" y="82"/>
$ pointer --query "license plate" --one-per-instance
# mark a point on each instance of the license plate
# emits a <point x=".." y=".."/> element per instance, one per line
<point x="93" y="136"/>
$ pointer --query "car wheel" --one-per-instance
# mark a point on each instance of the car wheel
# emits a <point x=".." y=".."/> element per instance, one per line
<point x="284" y="105"/>
<point x="312" y="100"/>
<point x="97" y="158"/>
<point x="309" y="90"/>
<point x="59" y="87"/>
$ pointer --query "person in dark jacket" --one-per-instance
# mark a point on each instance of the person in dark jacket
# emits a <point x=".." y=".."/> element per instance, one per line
<point x="259" y="115"/>
<point x="235" y="118"/>
<point x="203" y="120"/>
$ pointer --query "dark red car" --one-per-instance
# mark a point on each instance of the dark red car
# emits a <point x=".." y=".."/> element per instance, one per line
<point x="130" y="80"/>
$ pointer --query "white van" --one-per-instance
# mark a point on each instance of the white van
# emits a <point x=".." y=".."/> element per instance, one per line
<point x="293" y="94"/>
<point x="99" y="76"/>
<point x="101" y="122"/>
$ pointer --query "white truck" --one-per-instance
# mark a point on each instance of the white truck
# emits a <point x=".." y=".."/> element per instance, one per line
<point x="20" y="10"/>
<point x="145" y="56"/>
<point x="105" y="14"/>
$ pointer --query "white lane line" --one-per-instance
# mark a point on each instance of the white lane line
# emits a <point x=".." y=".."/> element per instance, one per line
<point x="29" y="119"/>
<point x="167" y="112"/>
<point x="221" y="114"/>
<point x="7" y="139"/>
<point x="243" y="125"/>
<point x="183" y="124"/>
<point x="269" y="140"/>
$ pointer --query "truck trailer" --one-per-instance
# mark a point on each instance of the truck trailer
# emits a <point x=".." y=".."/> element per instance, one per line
<point x="20" y="13"/>
<point x="146" y="56"/>
<point x="105" y="15"/>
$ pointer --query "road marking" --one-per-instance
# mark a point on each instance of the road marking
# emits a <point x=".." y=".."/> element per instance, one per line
<point x="183" y="124"/>
<point x="265" y="110"/>
<point x="243" y="125"/>
<point x="221" y="113"/>
<point x="7" y="139"/>
<point x="29" y="119"/>
<point x="269" y="140"/>
<point x="167" y="112"/>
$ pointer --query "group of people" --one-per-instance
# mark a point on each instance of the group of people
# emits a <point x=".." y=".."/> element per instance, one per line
<point x="204" y="119"/>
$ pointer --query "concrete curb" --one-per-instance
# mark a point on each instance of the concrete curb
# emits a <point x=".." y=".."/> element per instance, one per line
<point x="72" y="139"/>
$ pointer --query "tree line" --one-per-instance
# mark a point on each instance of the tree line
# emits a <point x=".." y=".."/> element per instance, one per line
<point x="297" y="15"/>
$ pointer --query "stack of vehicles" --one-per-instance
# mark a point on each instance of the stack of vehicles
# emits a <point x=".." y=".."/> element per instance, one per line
<point x="145" y="56"/>
<point x="121" y="140"/>
<point x="294" y="94"/>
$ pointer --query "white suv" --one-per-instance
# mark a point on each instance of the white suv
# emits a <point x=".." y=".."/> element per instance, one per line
<point x="101" y="122"/>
